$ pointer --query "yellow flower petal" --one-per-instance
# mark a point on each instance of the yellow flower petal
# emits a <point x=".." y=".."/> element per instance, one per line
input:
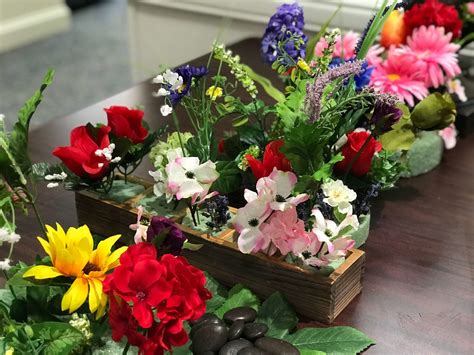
<point x="45" y="246"/>
<point x="42" y="272"/>
<point x="113" y="259"/>
<point x="99" y="256"/>
<point x="76" y="295"/>
<point x="95" y="294"/>
<point x="102" y="307"/>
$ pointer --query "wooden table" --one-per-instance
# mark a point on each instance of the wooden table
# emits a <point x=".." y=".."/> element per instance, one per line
<point x="418" y="295"/>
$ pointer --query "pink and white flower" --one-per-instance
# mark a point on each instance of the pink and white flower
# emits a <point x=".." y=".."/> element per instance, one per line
<point x="343" y="48"/>
<point x="455" y="87"/>
<point x="139" y="228"/>
<point x="187" y="178"/>
<point x="400" y="77"/>
<point x="449" y="135"/>
<point x="470" y="7"/>
<point x="430" y="49"/>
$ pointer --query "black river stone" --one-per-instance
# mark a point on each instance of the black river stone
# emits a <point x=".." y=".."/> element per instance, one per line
<point x="253" y="331"/>
<point x="236" y="329"/>
<point x="274" y="346"/>
<point x="251" y="351"/>
<point x="234" y="346"/>
<point x="247" y="314"/>
<point x="205" y="320"/>
<point x="210" y="337"/>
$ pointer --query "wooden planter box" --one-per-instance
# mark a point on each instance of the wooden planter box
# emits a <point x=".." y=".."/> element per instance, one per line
<point x="313" y="295"/>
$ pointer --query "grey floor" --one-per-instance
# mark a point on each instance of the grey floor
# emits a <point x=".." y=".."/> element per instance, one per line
<point x="91" y="62"/>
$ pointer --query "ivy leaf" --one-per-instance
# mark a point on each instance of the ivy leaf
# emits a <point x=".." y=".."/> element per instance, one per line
<point x="239" y="296"/>
<point x="325" y="171"/>
<point x="278" y="315"/>
<point x="335" y="340"/>
<point x="59" y="338"/>
<point x="219" y="294"/>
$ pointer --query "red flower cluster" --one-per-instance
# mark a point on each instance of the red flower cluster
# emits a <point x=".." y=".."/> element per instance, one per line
<point x="355" y="142"/>
<point x="272" y="158"/>
<point x="82" y="156"/>
<point x="145" y="288"/>
<point x="433" y="12"/>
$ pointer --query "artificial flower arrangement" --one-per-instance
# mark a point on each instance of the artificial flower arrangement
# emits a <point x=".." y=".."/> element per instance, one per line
<point x="91" y="294"/>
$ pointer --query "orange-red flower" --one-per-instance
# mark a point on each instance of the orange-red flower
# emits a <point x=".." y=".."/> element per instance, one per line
<point x="272" y="158"/>
<point x="393" y="31"/>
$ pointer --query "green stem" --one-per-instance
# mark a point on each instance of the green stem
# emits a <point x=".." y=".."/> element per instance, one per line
<point x="125" y="349"/>
<point x="38" y="217"/>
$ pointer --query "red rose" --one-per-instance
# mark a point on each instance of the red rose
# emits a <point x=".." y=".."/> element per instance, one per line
<point x="80" y="157"/>
<point x="272" y="158"/>
<point x="126" y="123"/>
<point x="355" y="142"/>
<point x="433" y="12"/>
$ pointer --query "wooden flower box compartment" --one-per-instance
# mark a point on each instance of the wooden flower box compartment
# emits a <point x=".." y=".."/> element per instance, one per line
<point x="313" y="295"/>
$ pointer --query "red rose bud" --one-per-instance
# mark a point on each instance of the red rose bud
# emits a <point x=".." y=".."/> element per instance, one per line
<point x="126" y="123"/>
<point x="272" y="158"/>
<point x="433" y="12"/>
<point x="80" y="157"/>
<point x="355" y="142"/>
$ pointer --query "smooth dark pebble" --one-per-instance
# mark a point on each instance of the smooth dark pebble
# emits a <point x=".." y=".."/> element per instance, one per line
<point x="210" y="319"/>
<point x="251" y="351"/>
<point x="210" y="337"/>
<point x="205" y="317"/>
<point x="253" y="331"/>
<point x="276" y="346"/>
<point x="207" y="353"/>
<point x="236" y="329"/>
<point x="247" y="314"/>
<point x="234" y="346"/>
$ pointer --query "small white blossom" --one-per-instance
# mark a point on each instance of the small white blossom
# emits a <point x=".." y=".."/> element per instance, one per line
<point x="174" y="79"/>
<point x="158" y="79"/>
<point x="82" y="324"/>
<point x="166" y="110"/>
<point x="6" y="236"/>
<point x="52" y="185"/>
<point x="61" y="176"/>
<point x="162" y="92"/>
<point x="106" y="152"/>
<point x="339" y="195"/>
<point x="116" y="160"/>
<point x="5" y="264"/>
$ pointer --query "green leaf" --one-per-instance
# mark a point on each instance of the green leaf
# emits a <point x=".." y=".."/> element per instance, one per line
<point x="402" y="135"/>
<point x="311" y="352"/>
<point x="59" y="338"/>
<point x="325" y="171"/>
<point x="230" y="178"/>
<point x="335" y="340"/>
<point x="219" y="294"/>
<point x="266" y="84"/>
<point x="238" y="296"/>
<point x="278" y="315"/>
<point x="315" y="39"/>
<point x="436" y="111"/>
<point x="252" y="135"/>
<point x="291" y="111"/>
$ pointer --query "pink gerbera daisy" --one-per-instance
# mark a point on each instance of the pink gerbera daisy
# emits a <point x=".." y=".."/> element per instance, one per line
<point x="431" y="49"/>
<point x="399" y="77"/>
<point x="345" y="45"/>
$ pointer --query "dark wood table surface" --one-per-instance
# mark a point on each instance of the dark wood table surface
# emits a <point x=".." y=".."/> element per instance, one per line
<point x="418" y="289"/>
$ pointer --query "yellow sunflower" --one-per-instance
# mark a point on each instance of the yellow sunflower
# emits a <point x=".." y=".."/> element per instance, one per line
<point x="72" y="255"/>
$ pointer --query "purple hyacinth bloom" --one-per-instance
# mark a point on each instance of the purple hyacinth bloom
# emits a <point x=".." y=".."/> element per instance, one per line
<point x="285" y="24"/>
<point x="385" y="115"/>
<point x="171" y="237"/>
<point x="187" y="72"/>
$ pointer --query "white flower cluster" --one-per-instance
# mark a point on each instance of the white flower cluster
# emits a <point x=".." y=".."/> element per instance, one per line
<point x="174" y="81"/>
<point x="81" y="323"/>
<point x="107" y="154"/>
<point x="7" y="236"/>
<point x="55" y="179"/>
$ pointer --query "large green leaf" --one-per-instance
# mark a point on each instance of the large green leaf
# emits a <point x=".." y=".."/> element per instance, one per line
<point x="238" y="296"/>
<point x="266" y="84"/>
<point x="230" y="177"/>
<point x="59" y="338"/>
<point x="436" y="111"/>
<point x="335" y="340"/>
<point x="401" y="137"/>
<point x="219" y="294"/>
<point x="325" y="171"/>
<point x="291" y="111"/>
<point x="278" y="315"/>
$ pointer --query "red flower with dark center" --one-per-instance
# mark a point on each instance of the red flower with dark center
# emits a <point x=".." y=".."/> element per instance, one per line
<point x="122" y="322"/>
<point x="272" y="158"/>
<point x="80" y="157"/>
<point x="355" y="142"/>
<point x="127" y="123"/>
<point x="433" y="12"/>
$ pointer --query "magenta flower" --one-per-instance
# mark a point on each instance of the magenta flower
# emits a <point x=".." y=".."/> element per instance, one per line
<point x="430" y="49"/>
<point x="399" y="76"/>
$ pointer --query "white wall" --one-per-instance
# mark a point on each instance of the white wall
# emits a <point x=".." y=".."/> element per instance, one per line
<point x="24" y="21"/>
<point x="171" y="32"/>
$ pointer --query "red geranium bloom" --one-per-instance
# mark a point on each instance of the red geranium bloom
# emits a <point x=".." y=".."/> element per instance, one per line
<point x="433" y="12"/>
<point x="166" y="335"/>
<point x="80" y="157"/>
<point x="272" y="158"/>
<point x="126" y="123"/>
<point x="122" y="322"/>
<point x="355" y="142"/>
